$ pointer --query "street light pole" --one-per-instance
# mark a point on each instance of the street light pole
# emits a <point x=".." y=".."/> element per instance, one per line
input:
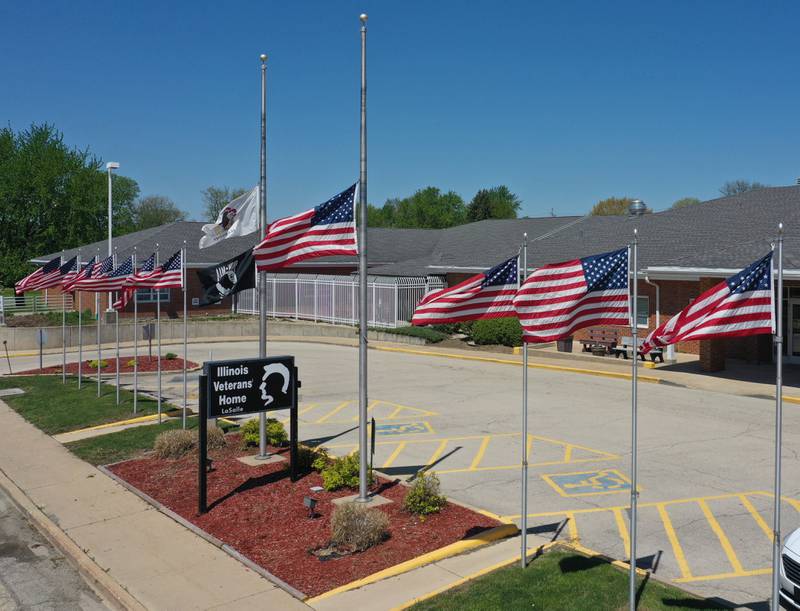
<point x="111" y="165"/>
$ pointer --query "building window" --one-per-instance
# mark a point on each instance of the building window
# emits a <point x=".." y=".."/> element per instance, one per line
<point x="642" y="311"/>
<point x="151" y="295"/>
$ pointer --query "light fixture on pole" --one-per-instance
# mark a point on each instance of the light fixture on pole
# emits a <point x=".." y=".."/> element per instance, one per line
<point x="111" y="165"/>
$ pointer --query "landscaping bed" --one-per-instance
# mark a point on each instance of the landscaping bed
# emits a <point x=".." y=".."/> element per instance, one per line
<point x="147" y="364"/>
<point x="259" y="512"/>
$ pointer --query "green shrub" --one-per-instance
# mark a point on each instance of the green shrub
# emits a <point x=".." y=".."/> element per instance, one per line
<point x="311" y="459"/>
<point x="276" y="433"/>
<point x="93" y="364"/>
<point x="216" y="438"/>
<point x="503" y="331"/>
<point x="174" y="444"/>
<point x="424" y="496"/>
<point x="131" y="363"/>
<point x="358" y="527"/>
<point x="431" y="336"/>
<point x="341" y="472"/>
<point x="170" y="356"/>
<point x="447" y="329"/>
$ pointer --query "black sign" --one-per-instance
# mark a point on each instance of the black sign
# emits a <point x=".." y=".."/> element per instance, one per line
<point x="250" y="386"/>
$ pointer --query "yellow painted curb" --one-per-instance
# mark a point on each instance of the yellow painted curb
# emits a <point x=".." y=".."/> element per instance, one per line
<point x="459" y="547"/>
<point x="516" y="350"/>
<point x="792" y="399"/>
<point x="486" y="359"/>
<point x="112" y="424"/>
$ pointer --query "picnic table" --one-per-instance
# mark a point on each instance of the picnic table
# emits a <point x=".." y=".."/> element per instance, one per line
<point x="625" y="349"/>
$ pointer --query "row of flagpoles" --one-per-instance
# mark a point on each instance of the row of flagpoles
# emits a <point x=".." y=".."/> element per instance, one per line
<point x="124" y="280"/>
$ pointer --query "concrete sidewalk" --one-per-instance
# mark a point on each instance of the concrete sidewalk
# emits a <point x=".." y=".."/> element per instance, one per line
<point x="137" y="556"/>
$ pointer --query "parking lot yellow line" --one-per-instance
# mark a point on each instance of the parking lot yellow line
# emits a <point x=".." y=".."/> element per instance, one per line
<point x="529" y="446"/>
<point x="308" y="408"/>
<point x="579" y="447"/>
<point x="723" y="539"/>
<point x="756" y="516"/>
<point x="567" y="453"/>
<point x="479" y="454"/>
<point x="677" y="550"/>
<point x="333" y="412"/>
<point x="623" y="531"/>
<point x="393" y="456"/>
<point x="723" y="576"/>
<point x="437" y="453"/>
<point x="396" y="411"/>
<point x="572" y="526"/>
<point x="462" y="438"/>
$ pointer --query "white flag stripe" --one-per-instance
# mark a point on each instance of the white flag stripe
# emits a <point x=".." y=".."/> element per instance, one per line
<point x="507" y="308"/>
<point x="580" y="308"/>
<point x="727" y="329"/>
<point x="553" y="271"/>
<point x="522" y="308"/>
<point x="342" y="233"/>
<point x="622" y="317"/>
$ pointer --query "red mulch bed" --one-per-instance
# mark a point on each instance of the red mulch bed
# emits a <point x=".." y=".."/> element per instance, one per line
<point x="259" y="512"/>
<point x="146" y="364"/>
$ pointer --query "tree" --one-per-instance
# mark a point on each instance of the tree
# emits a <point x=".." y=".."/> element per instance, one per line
<point x="495" y="203"/>
<point x="53" y="197"/>
<point x="427" y="208"/>
<point x="156" y="210"/>
<point x="215" y="199"/>
<point x="685" y="201"/>
<point x="612" y="206"/>
<point x="734" y="187"/>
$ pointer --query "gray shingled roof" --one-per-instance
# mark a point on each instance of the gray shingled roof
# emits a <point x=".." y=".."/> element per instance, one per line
<point x="724" y="233"/>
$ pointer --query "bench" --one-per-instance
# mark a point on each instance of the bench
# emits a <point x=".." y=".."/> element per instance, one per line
<point x="625" y="348"/>
<point x="603" y="338"/>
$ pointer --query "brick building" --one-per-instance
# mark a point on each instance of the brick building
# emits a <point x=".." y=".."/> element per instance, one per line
<point x="681" y="253"/>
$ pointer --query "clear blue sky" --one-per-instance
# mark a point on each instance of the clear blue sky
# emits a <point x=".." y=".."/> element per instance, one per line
<point x="565" y="102"/>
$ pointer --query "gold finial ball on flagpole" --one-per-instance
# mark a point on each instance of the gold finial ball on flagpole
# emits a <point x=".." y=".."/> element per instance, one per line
<point x="363" y="17"/>
<point x="263" y="57"/>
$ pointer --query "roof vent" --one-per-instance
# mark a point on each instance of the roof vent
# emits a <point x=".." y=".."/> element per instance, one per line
<point x="798" y="181"/>
<point x="637" y="208"/>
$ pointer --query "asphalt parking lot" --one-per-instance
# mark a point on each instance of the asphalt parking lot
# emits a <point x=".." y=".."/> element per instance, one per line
<point x="705" y="458"/>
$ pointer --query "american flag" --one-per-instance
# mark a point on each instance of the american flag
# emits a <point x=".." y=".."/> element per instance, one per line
<point x="95" y="281"/>
<point x="558" y="299"/>
<point x="486" y="295"/>
<point x="68" y="271"/>
<point x="46" y="276"/>
<point x="146" y="270"/>
<point x="737" y="306"/>
<point x="165" y="276"/>
<point x="115" y="280"/>
<point x="69" y="285"/>
<point x="329" y="229"/>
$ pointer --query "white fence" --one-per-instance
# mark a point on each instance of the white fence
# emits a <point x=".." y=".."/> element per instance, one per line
<point x="33" y="303"/>
<point x="334" y="299"/>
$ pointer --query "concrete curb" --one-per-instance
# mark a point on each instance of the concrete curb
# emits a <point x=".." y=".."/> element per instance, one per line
<point x="204" y="535"/>
<point x="454" y="549"/>
<point x="109" y="589"/>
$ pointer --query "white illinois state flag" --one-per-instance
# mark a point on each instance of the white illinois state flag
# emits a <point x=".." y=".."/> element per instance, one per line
<point x="238" y="217"/>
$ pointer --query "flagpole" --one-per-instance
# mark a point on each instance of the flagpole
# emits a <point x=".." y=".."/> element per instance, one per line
<point x="63" y="329"/>
<point x="116" y="329"/>
<point x="524" y="518"/>
<point x="776" y="514"/>
<point x="158" y="339"/>
<point x="362" y="276"/>
<point x="261" y="286"/>
<point x="80" y="331"/>
<point x="99" y="329"/>
<point x="634" y="424"/>
<point x="135" y="339"/>
<point x="185" y="311"/>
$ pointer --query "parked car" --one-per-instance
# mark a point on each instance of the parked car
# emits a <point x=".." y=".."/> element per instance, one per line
<point x="790" y="571"/>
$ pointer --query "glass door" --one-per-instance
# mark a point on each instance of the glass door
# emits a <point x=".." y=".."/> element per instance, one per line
<point x="793" y="320"/>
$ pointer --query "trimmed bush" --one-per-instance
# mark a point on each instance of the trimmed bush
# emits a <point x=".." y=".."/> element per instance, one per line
<point x="93" y="364"/>
<point x="431" y="336"/>
<point x="424" y="496"/>
<point x="276" y="433"/>
<point x="502" y="331"/>
<point x="216" y="438"/>
<point x="170" y="356"/>
<point x="311" y="459"/>
<point x="174" y="444"/>
<point x="340" y="472"/>
<point x="357" y="527"/>
<point x="131" y="363"/>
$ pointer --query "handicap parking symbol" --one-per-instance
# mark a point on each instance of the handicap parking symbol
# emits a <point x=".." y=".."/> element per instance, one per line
<point x="403" y="428"/>
<point x="582" y="483"/>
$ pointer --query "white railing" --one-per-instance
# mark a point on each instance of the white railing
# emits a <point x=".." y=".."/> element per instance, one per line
<point x="33" y="303"/>
<point x="334" y="299"/>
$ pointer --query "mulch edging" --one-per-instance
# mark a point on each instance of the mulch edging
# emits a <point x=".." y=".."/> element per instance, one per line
<point x="146" y="364"/>
<point x="256" y="514"/>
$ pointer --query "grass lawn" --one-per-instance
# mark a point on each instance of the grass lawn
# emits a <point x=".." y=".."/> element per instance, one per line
<point x="122" y="445"/>
<point x="57" y="408"/>
<point x="561" y="579"/>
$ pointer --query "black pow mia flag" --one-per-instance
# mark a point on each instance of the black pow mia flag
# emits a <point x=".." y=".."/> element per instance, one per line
<point x="227" y="278"/>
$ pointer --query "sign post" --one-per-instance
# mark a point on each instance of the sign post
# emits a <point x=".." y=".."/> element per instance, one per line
<point x="246" y="386"/>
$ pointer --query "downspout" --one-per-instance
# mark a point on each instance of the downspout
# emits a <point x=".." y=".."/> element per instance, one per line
<point x="670" y="352"/>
